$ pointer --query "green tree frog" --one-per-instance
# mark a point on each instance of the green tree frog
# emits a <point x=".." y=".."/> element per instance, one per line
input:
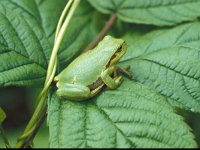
<point x="84" y="77"/>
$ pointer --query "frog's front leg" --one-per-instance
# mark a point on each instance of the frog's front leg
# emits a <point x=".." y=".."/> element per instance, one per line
<point x="73" y="91"/>
<point x="110" y="82"/>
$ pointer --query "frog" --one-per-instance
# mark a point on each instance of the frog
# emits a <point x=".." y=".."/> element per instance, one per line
<point x="87" y="74"/>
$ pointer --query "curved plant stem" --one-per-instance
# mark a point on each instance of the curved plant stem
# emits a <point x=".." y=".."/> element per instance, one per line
<point x="32" y="135"/>
<point x="41" y="106"/>
<point x="103" y="32"/>
<point x="61" y="20"/>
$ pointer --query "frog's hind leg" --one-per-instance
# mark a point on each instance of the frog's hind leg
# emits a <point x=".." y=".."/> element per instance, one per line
<point x="108" y="80"/>
<point x="73" y="91"/>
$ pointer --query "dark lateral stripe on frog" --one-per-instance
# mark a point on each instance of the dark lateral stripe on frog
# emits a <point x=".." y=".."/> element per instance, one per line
<point x="96" y="84"/>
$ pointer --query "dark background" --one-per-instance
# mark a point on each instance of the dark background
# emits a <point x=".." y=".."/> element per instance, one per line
<point x="18" y="104"/>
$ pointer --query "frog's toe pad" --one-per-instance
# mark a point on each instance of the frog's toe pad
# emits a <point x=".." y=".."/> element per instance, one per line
<point x="119" y="80"/>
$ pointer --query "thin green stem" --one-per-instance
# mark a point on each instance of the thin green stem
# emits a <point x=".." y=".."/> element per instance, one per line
<point x="4" y="137"/>
<point x="40" y="121"/>
<point x="59" y="26"/>
<point x="60" y="38"/>
<point x="46" y="87"/>
<point x="32" y="125"/>
<point x="61" y="20"/>
<point x="60" y="31"/>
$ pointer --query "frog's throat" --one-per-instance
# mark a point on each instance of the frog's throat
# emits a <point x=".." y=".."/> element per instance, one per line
<point x="117" y="58"/>
<point x="117" y="55"/>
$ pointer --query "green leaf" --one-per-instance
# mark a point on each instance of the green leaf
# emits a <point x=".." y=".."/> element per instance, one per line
<point x="135" y="32"/>
<point x="156" y="12"/>
<point x="27" y="31"/>
<point x="130" y="116"/>
<point x="23" y="46"/>
<point x="168" y="61"/>
<point x="2" y="115"/>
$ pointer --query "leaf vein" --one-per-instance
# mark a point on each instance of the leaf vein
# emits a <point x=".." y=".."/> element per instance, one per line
<point x="168" y="67"/>
<point x="158" y="5"/>
<point x="119" y="130"/>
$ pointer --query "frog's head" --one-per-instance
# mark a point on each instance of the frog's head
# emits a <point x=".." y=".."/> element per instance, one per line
<point x="118" y="48"/>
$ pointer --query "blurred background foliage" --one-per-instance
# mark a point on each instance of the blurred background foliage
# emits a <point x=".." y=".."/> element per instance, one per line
<point x="18" y="103"/>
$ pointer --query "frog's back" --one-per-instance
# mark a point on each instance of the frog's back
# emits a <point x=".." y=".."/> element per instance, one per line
<point x="87" y="68"/>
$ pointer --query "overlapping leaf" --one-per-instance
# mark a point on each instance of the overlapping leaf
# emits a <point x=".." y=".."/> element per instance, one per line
<point x="130" y="116"/>
<point x="156" y="12"/>
<point x="168" y="61"/>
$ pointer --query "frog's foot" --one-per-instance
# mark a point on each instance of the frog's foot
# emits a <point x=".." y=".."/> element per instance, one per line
<point x="73" y="91"/>
<point x="125" y="71"/>
<point x="110" y="82"/>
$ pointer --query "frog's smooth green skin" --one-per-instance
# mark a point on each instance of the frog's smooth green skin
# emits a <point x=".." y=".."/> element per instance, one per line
<point x="87" y="74"/>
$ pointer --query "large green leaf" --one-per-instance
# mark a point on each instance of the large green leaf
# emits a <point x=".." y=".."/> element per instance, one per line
<point x="24" y="48"/>
<point x="156" y="12"/>
<point x="45" y="12"/>
<point x="168" y="61"/>
<point x="130" y="116"/>
<point x="27" y="31"/>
